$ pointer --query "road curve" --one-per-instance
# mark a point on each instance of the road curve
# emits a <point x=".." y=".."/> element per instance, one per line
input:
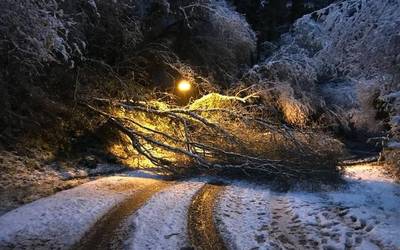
<point x="110" y="232"/>
<point x="202" y="230"/>
<point x="59" y="221"/>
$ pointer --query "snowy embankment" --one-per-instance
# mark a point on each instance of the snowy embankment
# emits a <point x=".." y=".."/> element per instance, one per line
<point x="59" y="221"/>
<point x="162" y="222"/>
<point x="363" y="214"/>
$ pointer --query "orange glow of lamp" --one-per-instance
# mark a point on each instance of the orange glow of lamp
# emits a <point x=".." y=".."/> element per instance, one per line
<point x="184" y="86"/>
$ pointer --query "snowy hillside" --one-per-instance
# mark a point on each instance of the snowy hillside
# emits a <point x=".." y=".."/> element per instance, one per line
<point x="348" y="55"/>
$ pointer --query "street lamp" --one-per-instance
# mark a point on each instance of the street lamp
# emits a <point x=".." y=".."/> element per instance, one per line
<point x="184" y="86"/>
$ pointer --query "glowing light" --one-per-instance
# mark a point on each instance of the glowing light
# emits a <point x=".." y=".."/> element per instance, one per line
<point x="184" y="86"/>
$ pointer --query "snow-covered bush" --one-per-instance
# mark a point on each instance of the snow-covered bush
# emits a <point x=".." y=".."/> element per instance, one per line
<point x="112" y="28"/>
<point x="234" y="39"/>
<point x="215" y="37"/>
<point x="356" y="41"/>
<point x="148" y="36"/>
<point x="33" y="34"/>
<point x="55" y="53"/>
<point x="128" y="35"/>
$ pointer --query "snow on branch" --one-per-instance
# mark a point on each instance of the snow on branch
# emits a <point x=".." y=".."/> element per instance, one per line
<point x="216" y="133"/>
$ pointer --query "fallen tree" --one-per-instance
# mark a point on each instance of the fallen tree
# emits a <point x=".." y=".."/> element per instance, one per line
<point x="217" y="133"/>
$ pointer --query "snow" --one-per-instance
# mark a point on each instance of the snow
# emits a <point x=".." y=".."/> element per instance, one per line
<point x="143" y="174"/>
<point x="243" y="204"/>
<point x="374" y="199"/>
<point x="354" y="43"/>
<point x="59" y="221"/>
<point x="393" y="95"/>
<point x="394" y="145"/>
<point x="368" y="173"/>
<point x="162" y="222"/>
<point x="395" y="120"/>
<point x="361" y="214"/>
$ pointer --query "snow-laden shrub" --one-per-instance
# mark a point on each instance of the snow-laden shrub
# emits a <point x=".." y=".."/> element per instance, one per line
<point x="294" y="111"/>
<point x="231" y="30"/>
<point x="355" y="40"/>
<point x="114" y="29"/>
<point x="215" y="37"/>
<point x="55" y="53"/>
<point x="33" y="34"/>
<point x="361" y="37"/>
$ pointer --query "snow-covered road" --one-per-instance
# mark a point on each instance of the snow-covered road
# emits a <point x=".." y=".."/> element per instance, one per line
<point x="161" y="223"/>
<point x="360" y="214"/>
<point x="59" y="221"/>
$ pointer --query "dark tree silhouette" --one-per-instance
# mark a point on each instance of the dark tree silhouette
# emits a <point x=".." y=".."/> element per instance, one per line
<point x="298" y="10"/>
<point x="276" y="14"/>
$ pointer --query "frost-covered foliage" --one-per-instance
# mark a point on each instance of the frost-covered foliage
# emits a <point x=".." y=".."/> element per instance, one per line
<point x="38" y="34"/>
<point x="33" y="33"/>
<point x="236" y="41"/>
<point x="106" y="27"/>
<point x="33" y="36"/>
<point x="208" y="33"/>
<point x="357" y="37"/>
<point x="57" y="51"/>
<point x="271" y="18"/>
<point x="348" y="48"/>
<point x="216" y="38"/>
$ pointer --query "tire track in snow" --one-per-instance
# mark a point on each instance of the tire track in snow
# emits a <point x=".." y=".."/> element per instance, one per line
<point x="253" y="217"/>
<point x="162" y="222"/>
<point x="203" y="232"/>
<point x="59" y="221"/>
<point x="109" y="232"/>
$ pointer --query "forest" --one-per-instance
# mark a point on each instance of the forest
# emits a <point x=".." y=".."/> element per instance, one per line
<point x="73" y="69"/>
